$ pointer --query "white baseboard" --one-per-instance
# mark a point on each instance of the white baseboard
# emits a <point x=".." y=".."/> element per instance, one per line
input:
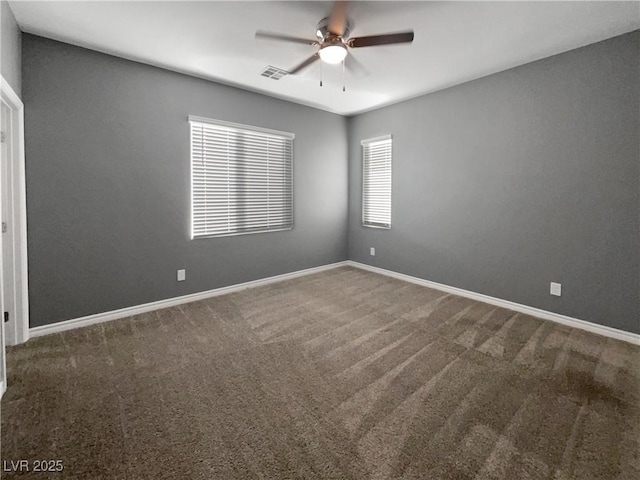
<point x="147" y="307"/>
<point x="633" y="338"/>
<point x="170" y="302"/>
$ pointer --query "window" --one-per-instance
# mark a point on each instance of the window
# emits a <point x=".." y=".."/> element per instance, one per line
<point x="241" y="179"/>
<point x="376" y="182"/>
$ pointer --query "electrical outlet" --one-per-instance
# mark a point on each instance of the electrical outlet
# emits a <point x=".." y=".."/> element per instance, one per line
<point x="556" y="289"/>
<point x="372" y="251"/>
<point x="181" y="275"/>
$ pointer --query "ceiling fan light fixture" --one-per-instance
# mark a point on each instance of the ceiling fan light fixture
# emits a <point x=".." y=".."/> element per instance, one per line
<point x="333" y="54"/>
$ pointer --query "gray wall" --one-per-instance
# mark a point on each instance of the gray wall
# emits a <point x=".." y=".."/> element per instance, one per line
<point x="501" y="185"/>
<point x="107" y="149"/>
<point x="509" y="182"/>
<point x="10" y="51"/>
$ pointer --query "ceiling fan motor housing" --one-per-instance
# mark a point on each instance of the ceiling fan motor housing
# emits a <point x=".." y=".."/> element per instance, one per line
<point x="324" y="35"/>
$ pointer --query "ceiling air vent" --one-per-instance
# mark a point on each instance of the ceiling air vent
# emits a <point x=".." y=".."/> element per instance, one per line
<point x="274" y="73"/>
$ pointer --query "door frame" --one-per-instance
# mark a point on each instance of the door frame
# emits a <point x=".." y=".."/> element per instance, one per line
<point x="18" y="330"/>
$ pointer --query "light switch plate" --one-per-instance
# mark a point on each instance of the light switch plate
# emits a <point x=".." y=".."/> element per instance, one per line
<point x="556" y="289"/>
<point x="181" y="275"/>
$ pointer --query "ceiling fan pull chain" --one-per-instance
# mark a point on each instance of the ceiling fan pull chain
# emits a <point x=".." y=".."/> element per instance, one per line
<point x="344" y="89"/>
<point x="320" y="73"/>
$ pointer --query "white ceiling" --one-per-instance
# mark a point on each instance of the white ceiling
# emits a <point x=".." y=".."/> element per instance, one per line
<point x="454" y="41"/>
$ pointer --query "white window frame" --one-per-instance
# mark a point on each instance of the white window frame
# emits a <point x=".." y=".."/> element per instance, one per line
<point x="366" y="216"/>
<point x="256" y="132"/>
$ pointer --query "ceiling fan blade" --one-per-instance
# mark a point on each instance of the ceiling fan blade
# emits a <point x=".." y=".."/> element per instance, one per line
<point x="387" y="39"/>
<point x="355" y="66"/>
<point x="304" y="64"/>
<point x="338" y="18"/>
<point x="283" y="38"/>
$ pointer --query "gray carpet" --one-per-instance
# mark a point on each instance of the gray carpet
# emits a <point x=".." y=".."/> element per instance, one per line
<point x="343" y="374"/>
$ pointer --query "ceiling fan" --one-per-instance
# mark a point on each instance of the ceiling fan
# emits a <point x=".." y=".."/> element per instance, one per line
<point x="332" y="38"/>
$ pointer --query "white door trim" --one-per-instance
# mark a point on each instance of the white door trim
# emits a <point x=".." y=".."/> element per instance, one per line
<point x="4" y="146"/>
<point x="18" y="331"/>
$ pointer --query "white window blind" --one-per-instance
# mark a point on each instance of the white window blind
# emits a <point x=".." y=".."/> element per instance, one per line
<point x="241" y="179"/>
<point x="376" y="182"/>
